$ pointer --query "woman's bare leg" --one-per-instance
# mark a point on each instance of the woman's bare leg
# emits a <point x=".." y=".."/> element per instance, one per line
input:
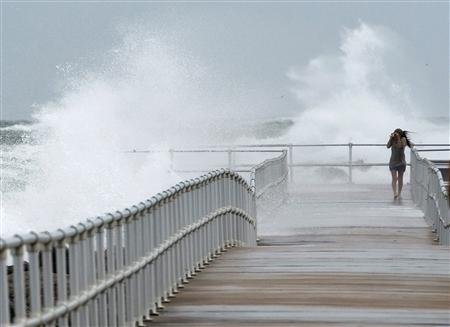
<point x="400" y="182"/>
<point x="394" y="182"/>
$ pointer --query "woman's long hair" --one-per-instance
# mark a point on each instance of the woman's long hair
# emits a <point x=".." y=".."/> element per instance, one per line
<point x="404" y="134"/>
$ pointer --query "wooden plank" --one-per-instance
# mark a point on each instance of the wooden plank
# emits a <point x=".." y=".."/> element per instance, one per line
<point x="336" y="256"/>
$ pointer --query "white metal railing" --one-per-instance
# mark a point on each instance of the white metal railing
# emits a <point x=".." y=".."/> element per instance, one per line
<point x="270" y="181"/>
<point x="230" y="161"/>
<point x="430" y="194"/>
<point x="119" y="268"/>
<point x="271" y="174"/>
<point x="116" y="269"/>
<point x="292" y="150"/>
<point x="269" y="178"/>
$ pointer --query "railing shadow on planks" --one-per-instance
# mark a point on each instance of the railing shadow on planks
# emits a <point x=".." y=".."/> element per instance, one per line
<point x="119" y="268"/>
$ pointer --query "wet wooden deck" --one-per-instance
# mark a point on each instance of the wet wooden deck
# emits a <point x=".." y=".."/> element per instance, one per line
<point x="335" y="256"/>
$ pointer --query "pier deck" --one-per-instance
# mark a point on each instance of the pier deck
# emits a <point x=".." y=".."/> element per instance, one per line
<point x="335" y="255"/>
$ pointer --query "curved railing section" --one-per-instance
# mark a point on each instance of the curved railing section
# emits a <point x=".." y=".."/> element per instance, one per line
<point x="430" y="194"/>
<point x="269" y="180"/>
<point x="270" y="174"/>
<point x="119" y="268"/>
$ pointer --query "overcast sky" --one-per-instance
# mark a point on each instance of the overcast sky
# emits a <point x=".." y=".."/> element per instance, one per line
<point x="254" y="44"/>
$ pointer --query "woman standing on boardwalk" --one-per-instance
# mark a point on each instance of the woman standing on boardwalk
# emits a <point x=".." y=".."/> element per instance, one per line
<point x="397" y="164"/>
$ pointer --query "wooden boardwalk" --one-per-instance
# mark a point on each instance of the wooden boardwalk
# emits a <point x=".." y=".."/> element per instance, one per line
<point x="334" y="256"/>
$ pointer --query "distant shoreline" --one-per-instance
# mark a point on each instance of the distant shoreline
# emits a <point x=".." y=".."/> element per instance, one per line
<point x="9" y="123"/>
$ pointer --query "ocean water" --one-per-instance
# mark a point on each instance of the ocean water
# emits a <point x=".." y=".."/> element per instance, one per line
<point x="15" y="137"/>
<point x="73" y="161"/>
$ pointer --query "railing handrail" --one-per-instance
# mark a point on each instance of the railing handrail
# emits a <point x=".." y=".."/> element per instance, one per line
<point x="285" y="145"/>
<point x="432" y="150"/>
<point x="203" y="150"/>
<point x="269" y="160"/>
<point x="237" y="147"/>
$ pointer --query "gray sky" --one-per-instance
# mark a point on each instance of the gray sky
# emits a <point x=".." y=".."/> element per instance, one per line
<point x="252" y="43"/>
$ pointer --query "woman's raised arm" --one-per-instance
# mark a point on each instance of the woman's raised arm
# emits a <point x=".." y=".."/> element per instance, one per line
<point x="389" y="143"/>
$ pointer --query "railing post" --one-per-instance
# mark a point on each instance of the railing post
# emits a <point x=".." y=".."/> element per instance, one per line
<point x="350" y="163"/>
<point x="291" y="163"/>
<point x="230" y="159"/>
<point x="47" y="275"/>
<point x="61" y="279"/>
<point x="4" y="293"/>
<point x="285" y="171"/>
<point x="110" y="270"/>
<point x="119" y="258"/>
<point x="171" y="156"/>
<point x="19" y="284"/>
<point x="101" y="271"/>
<point x="34" y="278"/>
